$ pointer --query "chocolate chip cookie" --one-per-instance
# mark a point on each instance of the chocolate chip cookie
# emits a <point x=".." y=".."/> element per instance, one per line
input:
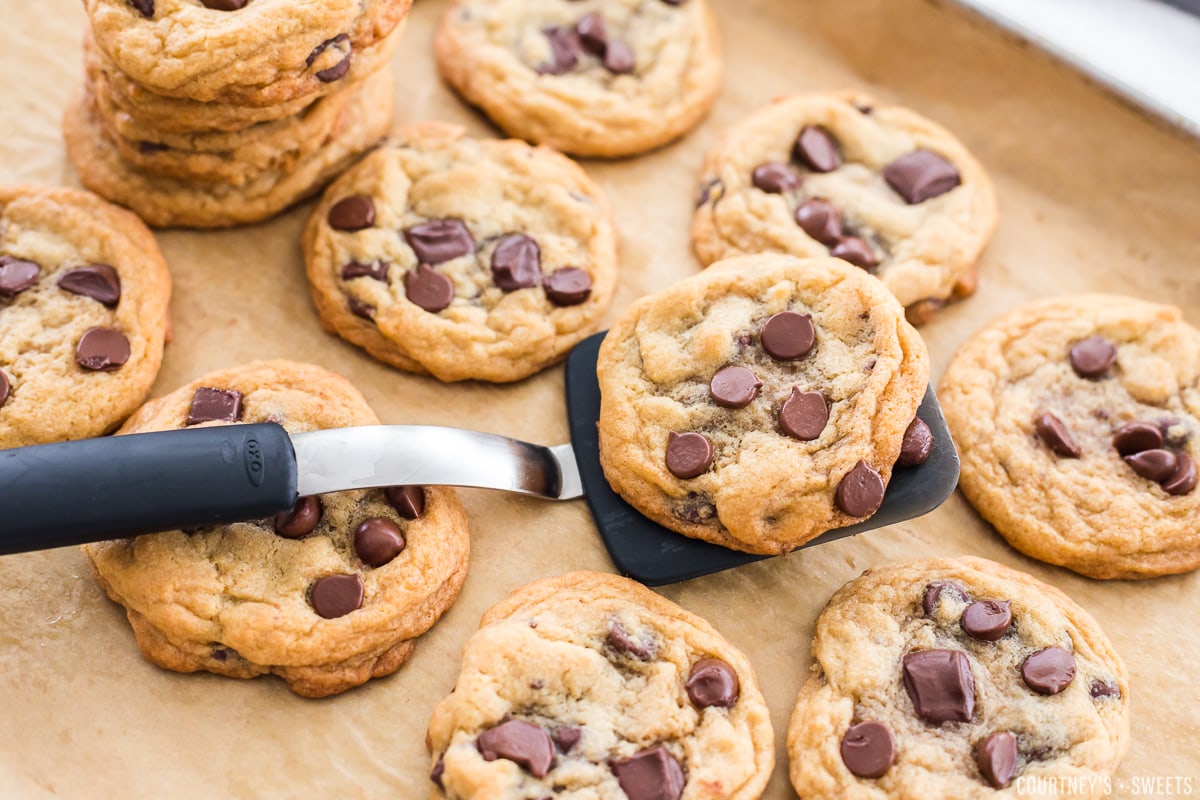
<point x="762" y="402"/>
<point x="327" y="595"/>
<point x="83" y="314"/>
<point x="589" y="685"/>
<point x="956" y="678"/>
<point x="591" y="78"/>
<point x="1078" y="423"/>
<point x="462" y="258"/>
<point x="879" y="186"/>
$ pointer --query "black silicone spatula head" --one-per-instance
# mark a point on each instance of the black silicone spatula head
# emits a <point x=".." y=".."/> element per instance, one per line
<point x="648" y="552"/>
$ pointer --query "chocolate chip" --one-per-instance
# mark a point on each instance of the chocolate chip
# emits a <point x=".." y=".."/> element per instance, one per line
<point x="996" y="757"/>
<point x="144" y="7"/>
<point x="1135" y="437"/>
<point x="1049" y="670"/>
<point x="940" y="685"/>
<point x="97" y="281"/>
<point x="225" y="5"/>
<point x="697" y="509"/>
<point x="339" y="69"/>
<point x="1100" y="689"/>
<point x="820" y="219"/>
<point x="102" y="349"/>
<point x="566" y="737"/>
<point x="619" y="58"/>
<point x="709" y="189"/>
<point x="934" y="591"/>
<point x="868" y="750"/>
<point x="1051" y="430"/>
<point x="440" y="240"/>
<point x="150" y="148"/>
<point x="1091" y="357"/>
<point x="301" y="520"/>
<point x="568" y="286"/>
<point x="787" y="335"/>
<point x="804" y="415"/>
<point x="377" y="541"/>
<point x="208" y="404"/>
<point x="428" y="288"/>
<point x="860" y="492"/>
<point x="16" y="275"/>
<point x="916" y="445"/>
<point x="1154" y="465"/>
<point x="5" y="388"/>
<point x="775" y="177"/>
<point x="620" y="640"/>
<point x="712" y="682"/>
<point x="565" y="50"/>
<point x="336" y="595"/>
<point x="409" y="501"/>
<point x="734" y="387"/>
<point x="592" y="35"/>
<point x="220" y="654"/>
<point x="360" y="309"/>
<point x="1184" y="478"/>
<point x="352" y="213"/>
<point x="520" y="742"/>
<point x="651" y="774"/>
<point x="987" y="620"/>
<point x="920" y="175"/>
<point x="377" y="270"/>
<point x="856" y="251"/>
<point x="688" y="454"/>
<point x="816" y="149"/>
<point x="439" y="769"/>
<point x="516" y="263"/>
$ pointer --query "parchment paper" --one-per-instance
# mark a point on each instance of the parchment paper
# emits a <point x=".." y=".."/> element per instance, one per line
<point x="1094" y="196"/>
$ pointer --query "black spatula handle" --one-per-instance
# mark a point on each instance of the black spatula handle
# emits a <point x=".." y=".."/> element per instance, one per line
<point x="85" y="491"/>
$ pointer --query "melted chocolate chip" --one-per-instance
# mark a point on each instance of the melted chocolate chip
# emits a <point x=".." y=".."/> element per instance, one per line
<point x="1053" y="431"/>
<point x="566" y="737"/>
<point x="338" y="70"/>
<point x="775" y="177"/>
<point x="712" y="682"/>
<point x="377" y="541"/>
<point x="1100" y="689"/>
<point x="1049" y="670"/>
<point x="102" y="349"/>
<point x="377" y="270"/>
<point x="100" y="282"/>
<point x="440" y="240"/>
<point x="856" y="251"/>
<point x="688" y="454"/>
<point x="734" y="387"/>
<point x="940" y="685"/>
<point x="353" y="213"/>
<point x="360" y="309"/>
<point x="820" y="219"/>
<point x="568" y="286"/>
<point x="817" y="149"/>
<point x="225" y="5"/>
<point x="428" y="288"/>
<point x="336" y="595"/>
<point x="651" y="774"/>
<point x="144" y="7"/>
<point x="16" y="275"/>
<point x="301" y="520"/>
<point x="916" y="445"/>
<point x="516" y="263"/>
<point x="804" y="415"/>
<point x="860" y="492"/>
<point x="697" y="509"/>
<point x="996" y="757"/>
<point x="520" y="742"/>
<point x="987" y="620"/>
<point x="1154" y="465"/>
<point x="147" y="148"/>
<point x="5" y="388"/>
<point x="619" y="58"/>
<point x="439" y="769"/>
<point x="565" y="49"/>
<point x="620" y="640"/>
<point x="787" y="335"/>
<point x="1135" y="437"/>
<point x="934" y="591"/>
<point x="921" y="175"/>
<point x="868" y="750"/>
<point x="208" y="404"/>
<point x="592" y="34"/>
<point x="1091" y="357"/>
<point x="1184" y="478"/>
<point x="409" y="501"/>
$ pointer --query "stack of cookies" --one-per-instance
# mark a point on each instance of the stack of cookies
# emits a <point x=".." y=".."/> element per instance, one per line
<point x="214" y="113"/>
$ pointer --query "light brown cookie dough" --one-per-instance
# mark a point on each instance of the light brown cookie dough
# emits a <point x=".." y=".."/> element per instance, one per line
<point x="1077" y="420"/>
<point x="326" y="597"/>
<point x="690" y="440"/>
<point x="84" y="293"/>
<point x="591" y="686"/>
<point x="591" y="78"/>
<point x="840" y="174"/>
<point x="462" y="258"/>
<point x="957" y="678"/>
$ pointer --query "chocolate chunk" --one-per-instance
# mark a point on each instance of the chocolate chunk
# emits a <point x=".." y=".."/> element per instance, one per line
<point x="520" y="742"/>
<point x="775" y="177"/>
<point x="338" y="70"/>
<point x="712" y="682"/>
<point x="336" y="595"/>
<point x="1100" y="689"/>
<point x="208" y="404"/>
<point x="565" y="49"/>
<point x="144" y="7"/>
<point x="860" y="492"/>
<point x="787" y="335"/>
<point x="820" y="219"/>
<point x="566" y="737"/>
<point x="5" y="388"/>
<point x="97" y="281"/>
<point x="360" y="309"/>
<point x="1154" y="465"/>
<point x="1135" y="437"/>
<point x="804" y="415"/>
<point x="1051" y="430"/>
<point x="439" y="769"/>
<point x="934" y="591"/>
<point x="1049" y="670"/>
<point x="688" y="454"/>
<point x="377" y="541"/>
<point x="916" y="445"/>
<point x="516" y="263"/>
<point x="352" y="213"/>
<point x="428" y="288"/>
<point x="301" y="520"/>
<point x="651" y="774"/>
<point x="568" y="286"/>
<point x="102" y="349"/>
<point x="940" y="685"/>
<point x="996" y="757"/>
<point x="987" y="620"/>
<point x="856" y="251"/>
<point x="868" y="750"/>
<point x="16" y="275"/>
<point x="440" y="240"/>
<point x="816" y="149"/>
<point x="592" y="35"/>
<point x="619" y="58"/>
<point x="920" y="175"/>
<point x="225" y="5"/>
<point x="620" y="640"/>
<point x="409" y="501"/>
<point x="1184" y="478"/>
<point x="734" y="387"/>
<point x="377" y="270"/>
<point x="1091" y="357"/>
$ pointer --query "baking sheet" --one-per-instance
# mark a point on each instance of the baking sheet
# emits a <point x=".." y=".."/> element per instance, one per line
<point x="1093" y="196"/>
